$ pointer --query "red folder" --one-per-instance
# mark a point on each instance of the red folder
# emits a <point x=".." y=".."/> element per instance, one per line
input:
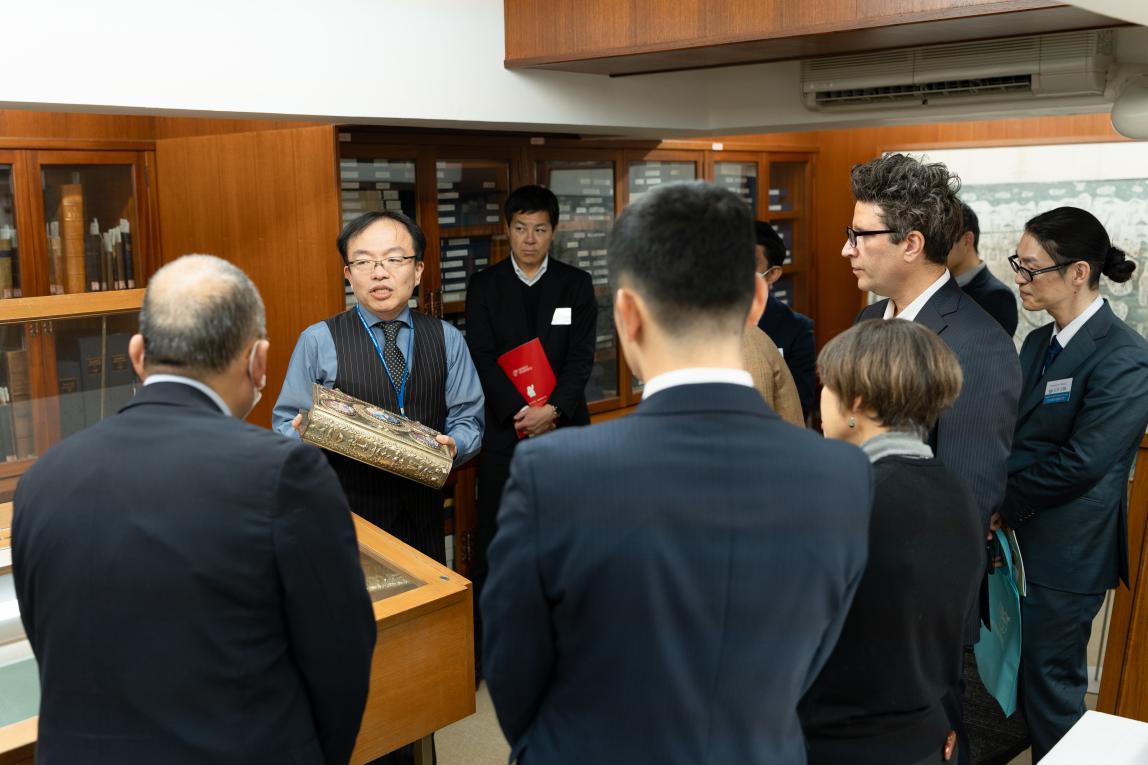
<point x="529" y="370"/>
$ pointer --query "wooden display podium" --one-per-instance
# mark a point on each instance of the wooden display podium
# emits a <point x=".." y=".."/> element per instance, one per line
<point x="422" y="671"/>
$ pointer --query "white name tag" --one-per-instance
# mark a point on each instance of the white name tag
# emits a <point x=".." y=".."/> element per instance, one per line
<point x="1058" y="391"/>
<point x="561" y="316"/>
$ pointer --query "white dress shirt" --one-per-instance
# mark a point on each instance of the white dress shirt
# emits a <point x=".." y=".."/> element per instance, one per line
<point x="914" y="308"/>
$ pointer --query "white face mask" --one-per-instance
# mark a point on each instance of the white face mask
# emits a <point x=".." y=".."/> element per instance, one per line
<point x="258" y="386"/>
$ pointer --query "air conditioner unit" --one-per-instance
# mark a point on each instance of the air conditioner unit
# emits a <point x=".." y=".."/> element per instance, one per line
<point x="1066" y="64"/>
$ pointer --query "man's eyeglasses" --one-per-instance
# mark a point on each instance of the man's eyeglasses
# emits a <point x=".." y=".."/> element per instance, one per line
<point x="391" y="264"/>
<point x="1026" y="273"/>
<point x="852" y="233"/>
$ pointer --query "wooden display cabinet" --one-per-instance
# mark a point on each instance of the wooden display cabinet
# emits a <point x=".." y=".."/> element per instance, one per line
<point x="422" y="671"/>
<point x="77" y="242"/>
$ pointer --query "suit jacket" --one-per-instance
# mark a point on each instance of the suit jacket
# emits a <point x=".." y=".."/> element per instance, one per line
<point x="1067" y="492"/>
<point x="770" y="376"/>
<point x="647" y="603"/>
<point x="995" y="297"/>
<point x="191" y="587"/>
<point x="974" y="435"/>
<point x="792" y="332"/>
<point x="496" y="323"/>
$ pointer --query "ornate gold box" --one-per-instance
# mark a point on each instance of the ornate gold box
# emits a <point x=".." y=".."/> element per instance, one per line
<point x="370" y="434"/>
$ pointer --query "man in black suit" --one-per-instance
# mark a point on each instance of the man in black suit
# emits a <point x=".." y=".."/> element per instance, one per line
<point x="190" y="583"/>
<point x="905" y="221"/>
<point x="975" y="278"/>
<point x="791" y="332"/>
<point x="528" y="295"/>
<point x="645" y="602"/>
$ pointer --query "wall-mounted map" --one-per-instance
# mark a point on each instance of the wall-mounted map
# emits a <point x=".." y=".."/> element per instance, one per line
<point x="1007" y="186"/>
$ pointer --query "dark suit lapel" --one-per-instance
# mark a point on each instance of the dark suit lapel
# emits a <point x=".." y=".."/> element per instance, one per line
<point x="935" y="310"/>
<point x="874" y="311"/>
<point x="551" y="287"/>
<point x="1080" y="348"/>
<point x="1031" y="358"/>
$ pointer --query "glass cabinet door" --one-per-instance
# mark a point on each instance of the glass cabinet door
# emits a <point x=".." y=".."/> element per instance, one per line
<point x="470" y="197"/>
<point x="647" y="173"/>
<point x="9" y="257"/>
<point x="58" y="377"/>
<point x="585" y="191"/>
<point x="90" y="223"/>
<point x="372" y="185"/>
<point x="786" y="186"/>
<point x="740" y="178"/>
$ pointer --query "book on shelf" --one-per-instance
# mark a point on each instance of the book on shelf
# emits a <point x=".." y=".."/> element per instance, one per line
<point x="71" y="397"/>
<point x="20" y="393"/>
<point x="55" y="259"/>
<point x="72" y="238"/>
<point x="93" y="273"/>
<point x="129" y="266"/>
<point x="7" y="436"/>
<point x="9" y="270"/>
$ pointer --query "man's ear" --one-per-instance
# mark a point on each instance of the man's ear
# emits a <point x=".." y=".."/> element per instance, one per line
<point x="627" y="314"/>
<point x="757" y="307"/>
<point x="914" y="243"/>
<point x="259" y="363"/>
<point x="136" y="354"/>
<point x="772" y="274"/>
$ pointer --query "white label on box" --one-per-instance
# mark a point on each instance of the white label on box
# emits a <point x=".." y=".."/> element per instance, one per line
<point x="488" y="184"/>
<point x="390" y="194"/>
<point x="394" y="204"/>
<point x="445" y="221"/>
<point x="492" y="206"/>
<point x="653" y="172"/>
<point x="446" y="208"/>
<point x="455" y="242"/>
<point x="571" y="244"/>
<point x="382" y="185"/>
<point x="447" y="195"/>
<point x="455" y="253"/>
<point x="492" y="219"/>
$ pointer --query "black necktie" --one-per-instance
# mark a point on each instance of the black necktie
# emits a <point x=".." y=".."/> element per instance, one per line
<point x="1054" y="349"/>
<point x="396" y="365"/>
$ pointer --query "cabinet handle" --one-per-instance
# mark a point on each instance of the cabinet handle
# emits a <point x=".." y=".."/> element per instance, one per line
<point x="47" y="328"/>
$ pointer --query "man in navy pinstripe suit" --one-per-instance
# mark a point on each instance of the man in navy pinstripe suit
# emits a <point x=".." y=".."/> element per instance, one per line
<point x="906" y="218"/>
<point x="647" y="601"/>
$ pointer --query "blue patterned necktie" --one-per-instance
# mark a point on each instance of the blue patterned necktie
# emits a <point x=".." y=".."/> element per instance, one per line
<point x="1054" y="349"/>
<point x="396" y="365"/>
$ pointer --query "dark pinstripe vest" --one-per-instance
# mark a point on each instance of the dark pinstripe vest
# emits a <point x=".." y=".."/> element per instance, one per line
<point x="408" y="510"/>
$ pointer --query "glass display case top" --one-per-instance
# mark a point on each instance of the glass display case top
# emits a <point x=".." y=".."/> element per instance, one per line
<point x="383" y="579"/>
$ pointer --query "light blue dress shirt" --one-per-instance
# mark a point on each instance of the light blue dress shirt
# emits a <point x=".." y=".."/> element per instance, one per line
<point x="314" y="360"/>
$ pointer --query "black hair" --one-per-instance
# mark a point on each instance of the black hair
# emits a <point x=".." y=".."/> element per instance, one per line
<point x="364" y="221"/>
<point x="768" y="238"/>
<point x="1069" y="234"/>
<point x="529" y="199"/>
<point x="688" y="249"/>
<point x="913" y="196"/>
<point x="972" y="223"/>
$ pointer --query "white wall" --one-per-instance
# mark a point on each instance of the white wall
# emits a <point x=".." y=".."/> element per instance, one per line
<point x="413" y="62"/>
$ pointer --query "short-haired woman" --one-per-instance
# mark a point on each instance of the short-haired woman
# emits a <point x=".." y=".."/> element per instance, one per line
<point x="1083" y="409"/>
<point x="878" y="698"/>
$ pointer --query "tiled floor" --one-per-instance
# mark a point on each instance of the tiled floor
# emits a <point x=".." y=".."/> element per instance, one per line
<point x="477" y="739"/>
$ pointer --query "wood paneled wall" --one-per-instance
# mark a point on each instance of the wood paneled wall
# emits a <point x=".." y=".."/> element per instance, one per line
<point x="836" y="299"/>
<point x="1124" y="683"/>
<point x="79" y="127"/>
<point x="269" y="202"/>
<point x="629" y="36"/>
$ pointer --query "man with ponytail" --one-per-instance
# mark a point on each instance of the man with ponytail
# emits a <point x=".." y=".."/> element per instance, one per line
<point x="1083" y="410"/>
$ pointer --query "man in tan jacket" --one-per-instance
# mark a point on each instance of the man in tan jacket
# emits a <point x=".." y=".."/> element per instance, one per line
<point x="771" y="376"/>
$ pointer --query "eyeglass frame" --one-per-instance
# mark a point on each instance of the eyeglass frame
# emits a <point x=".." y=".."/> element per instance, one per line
<point x="851" y="234"/>
<point x="393" y="261"/>
<point x="1028" y="273"/>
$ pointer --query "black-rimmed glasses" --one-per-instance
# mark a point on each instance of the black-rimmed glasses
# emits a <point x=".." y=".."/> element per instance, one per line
<point x="391" y="264"/>
<point x="852" y="233"/>
<point x="1027" y="273"/>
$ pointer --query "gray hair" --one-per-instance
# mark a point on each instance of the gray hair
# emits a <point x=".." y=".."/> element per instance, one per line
<point x="913" y="196"/>
<point x="199" y="313"/>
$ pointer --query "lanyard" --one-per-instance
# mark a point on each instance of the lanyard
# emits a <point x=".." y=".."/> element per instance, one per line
<point x="400" y="391"/>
